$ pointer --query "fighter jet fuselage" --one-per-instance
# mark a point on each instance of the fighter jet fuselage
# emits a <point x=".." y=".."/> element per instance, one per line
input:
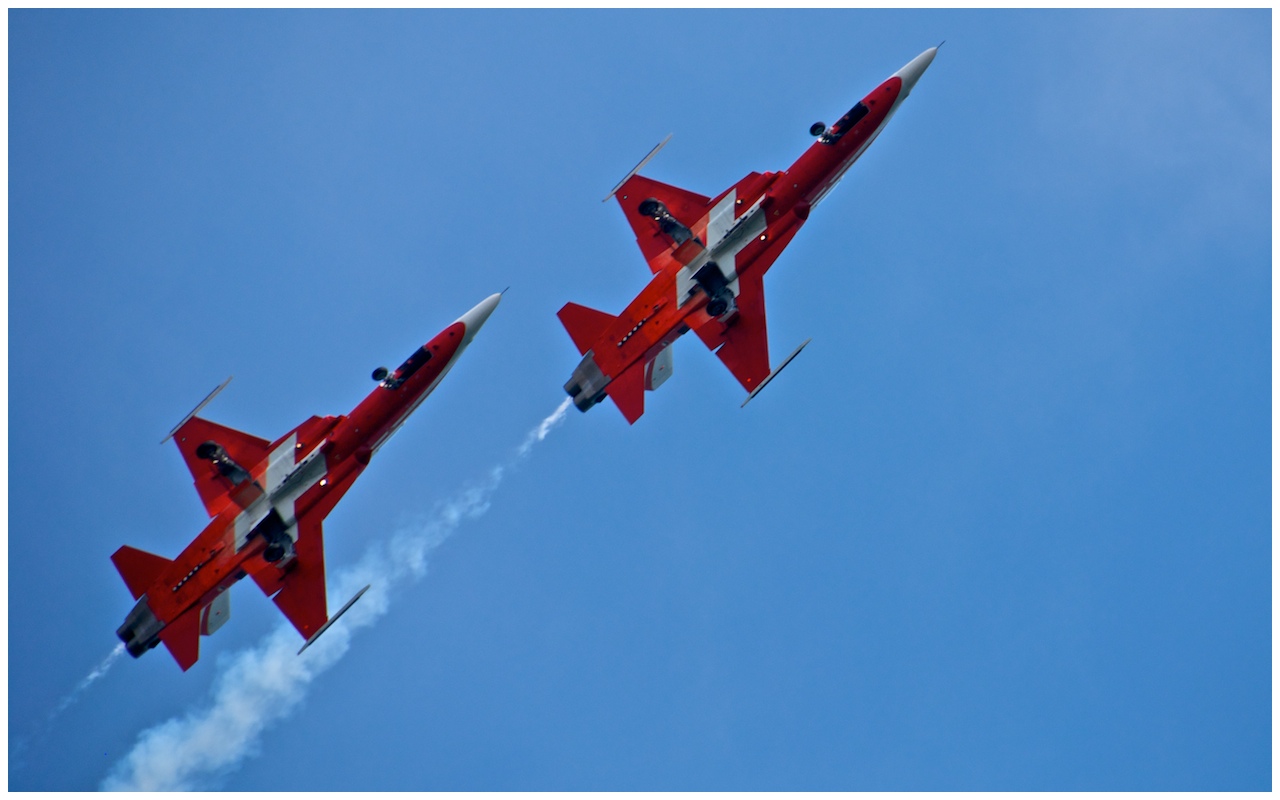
<point x="709" y="256"/>
<point x="267" y="501"/>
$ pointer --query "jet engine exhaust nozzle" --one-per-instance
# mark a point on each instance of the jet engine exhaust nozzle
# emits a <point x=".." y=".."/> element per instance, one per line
<point x="587" y="385"/>
<point x="141" y="629"/>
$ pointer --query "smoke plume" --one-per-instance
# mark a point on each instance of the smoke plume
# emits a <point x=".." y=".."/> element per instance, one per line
<point x="94" y="674"/>
<point x="19" y="745"/>
<point x="262" y="685"/>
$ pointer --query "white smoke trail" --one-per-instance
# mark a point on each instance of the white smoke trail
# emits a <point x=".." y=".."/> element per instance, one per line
<point x="88" y="681"/>
<point x="20" y="745"/>
<point x="263" y="685"/>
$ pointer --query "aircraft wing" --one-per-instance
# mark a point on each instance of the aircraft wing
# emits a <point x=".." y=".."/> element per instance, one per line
<point x="743" y="345"/>
<point x="212" y="484"/>
<point x="687" y="207"/>
<point x="299" y="588"/>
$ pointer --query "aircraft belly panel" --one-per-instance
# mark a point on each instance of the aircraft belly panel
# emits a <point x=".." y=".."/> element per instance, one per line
<point x="286" y="481"/>
<point x="731" y="236"/>
<point x="721" y="218"/>
<point x="249" y="519"/>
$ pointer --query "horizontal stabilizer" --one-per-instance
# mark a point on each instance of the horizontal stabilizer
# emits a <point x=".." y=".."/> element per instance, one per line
<point x="585" y="325"/>
<point x="139" y="568"/>
<point x="627" y="391"/>
<point x="182" y="638"/>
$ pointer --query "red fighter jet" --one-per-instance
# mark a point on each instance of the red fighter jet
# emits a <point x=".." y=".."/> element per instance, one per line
<point x="709" y="257"/>
<point x="268" y="501"/>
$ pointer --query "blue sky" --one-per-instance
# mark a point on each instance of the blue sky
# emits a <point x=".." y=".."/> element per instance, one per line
<point x="1003" y="525"/>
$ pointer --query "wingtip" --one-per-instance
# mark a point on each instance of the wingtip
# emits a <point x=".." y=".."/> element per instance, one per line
<point x="774" y="373"/>
<point x="209" y="397"/>
<point x="311" y="639"/>
<point x="638" y="167"/>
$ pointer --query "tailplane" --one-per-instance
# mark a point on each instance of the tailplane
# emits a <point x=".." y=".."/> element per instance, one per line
<point x="139" y="568"/>
<point x="627" y="391"/>
<point x="182" y="638"/>
<point x="585" y="325"/>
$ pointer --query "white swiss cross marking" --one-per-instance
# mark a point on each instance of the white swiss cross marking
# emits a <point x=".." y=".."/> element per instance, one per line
<point x="285" y="481"/>
<point x="726" y="236"/>
<point x="719" y="221"/>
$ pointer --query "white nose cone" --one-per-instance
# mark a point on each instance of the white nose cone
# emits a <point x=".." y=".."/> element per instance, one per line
<point x="914" y="69"/>
<point x="475" y="318"/>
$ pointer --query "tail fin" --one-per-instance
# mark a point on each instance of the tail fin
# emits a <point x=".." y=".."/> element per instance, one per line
<point x="139" y="568"/>
<point x="627" y="391"/>
<point x="182" y="638"/>
<point x="585" y="325"/>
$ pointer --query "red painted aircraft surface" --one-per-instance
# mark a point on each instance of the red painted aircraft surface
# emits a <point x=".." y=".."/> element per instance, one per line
<point x="267" y="501"/>
<point x="709" y="257"/>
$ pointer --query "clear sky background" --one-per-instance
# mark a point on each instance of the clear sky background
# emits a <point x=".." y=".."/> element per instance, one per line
<point x="1003" y="525"/>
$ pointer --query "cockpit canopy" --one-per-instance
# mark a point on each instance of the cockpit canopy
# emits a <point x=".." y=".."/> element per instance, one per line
<point x="411" y="365"/>
<point x="843" y="125"/>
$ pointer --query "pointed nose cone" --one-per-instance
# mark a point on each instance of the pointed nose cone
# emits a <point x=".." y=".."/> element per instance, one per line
<point x="914" y="69"/>
<point x="475" y="318"/>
